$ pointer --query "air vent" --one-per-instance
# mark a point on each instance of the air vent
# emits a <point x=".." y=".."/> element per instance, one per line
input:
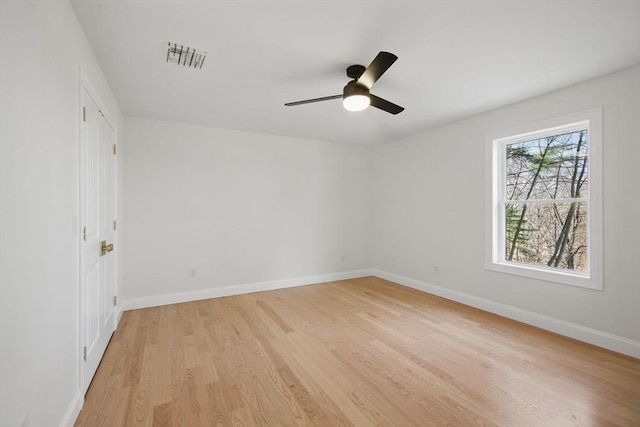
<point x="185" y="55"/>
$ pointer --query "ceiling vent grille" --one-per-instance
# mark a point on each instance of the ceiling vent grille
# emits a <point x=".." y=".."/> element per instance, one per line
<point x="185" y="55"/>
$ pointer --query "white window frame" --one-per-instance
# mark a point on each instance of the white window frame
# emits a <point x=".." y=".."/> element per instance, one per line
<point x="495" y="146"/>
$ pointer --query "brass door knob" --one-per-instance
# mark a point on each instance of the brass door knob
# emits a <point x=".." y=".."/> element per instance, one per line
<point x="104" y="248"/>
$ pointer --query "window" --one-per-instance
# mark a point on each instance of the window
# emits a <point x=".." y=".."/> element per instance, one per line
<point x="544" y="208"/>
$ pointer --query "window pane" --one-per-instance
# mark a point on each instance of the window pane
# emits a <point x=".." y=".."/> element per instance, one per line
<point x="554" y="167"/>
<point x="547" y="234"/>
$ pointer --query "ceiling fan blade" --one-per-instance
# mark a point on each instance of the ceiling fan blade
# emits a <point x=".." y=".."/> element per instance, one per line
<point x="309" y="101"/>
<point x="378" y="66"/>
<point x="385" y="105"/>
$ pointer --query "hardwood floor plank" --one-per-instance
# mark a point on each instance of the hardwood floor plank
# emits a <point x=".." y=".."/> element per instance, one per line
<point x="162" y="415"/>
<point x="361" y="352"/>
<point x="327" y="381"/>
<point x="277" y="319"/>
<point x="311" y="409"/>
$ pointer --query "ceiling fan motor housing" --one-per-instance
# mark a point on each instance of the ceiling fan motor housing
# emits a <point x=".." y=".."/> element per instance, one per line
<point x="353" y="88"/>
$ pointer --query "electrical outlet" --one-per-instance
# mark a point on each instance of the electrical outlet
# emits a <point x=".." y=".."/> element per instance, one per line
<point x="342" y="258"/>
<point x="192" y="273"/>
<point x="436" y="269"/>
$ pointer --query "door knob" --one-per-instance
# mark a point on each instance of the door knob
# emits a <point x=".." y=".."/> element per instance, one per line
<point x="104" y="248"/>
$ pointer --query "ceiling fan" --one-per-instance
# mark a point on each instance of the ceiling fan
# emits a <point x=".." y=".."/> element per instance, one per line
<point x="355" y="95"/>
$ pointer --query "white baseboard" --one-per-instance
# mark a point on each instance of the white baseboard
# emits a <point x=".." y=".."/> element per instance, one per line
<point x="178" y="297"/>
<point x="73" y="410"/>
<point x="119" y="311"/>
<point x="572" y="330"/>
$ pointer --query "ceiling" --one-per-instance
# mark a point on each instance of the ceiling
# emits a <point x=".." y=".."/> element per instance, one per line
<point x="456" y="58"/>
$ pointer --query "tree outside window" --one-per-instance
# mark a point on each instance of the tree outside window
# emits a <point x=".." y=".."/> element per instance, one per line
<point x="546" y="201"/>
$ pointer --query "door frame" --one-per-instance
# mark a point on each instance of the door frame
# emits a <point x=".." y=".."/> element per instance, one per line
<point x="85" y="85"/>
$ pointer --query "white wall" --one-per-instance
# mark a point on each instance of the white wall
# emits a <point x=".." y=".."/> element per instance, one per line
<point x="239" y="208"/>
<point x="41" y="51"/>
<point x="429" y="196"/>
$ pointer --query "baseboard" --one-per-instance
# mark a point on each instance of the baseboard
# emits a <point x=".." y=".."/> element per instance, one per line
<point x="572" y="330"/>
<point x="119" y="311"/>
<point x="73" y="410"/>
<point x="178" y="297"/>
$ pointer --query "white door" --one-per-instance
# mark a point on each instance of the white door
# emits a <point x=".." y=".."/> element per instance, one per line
<point x="97" y="219"/>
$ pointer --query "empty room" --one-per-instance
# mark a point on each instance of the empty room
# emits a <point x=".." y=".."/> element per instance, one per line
<point x="328" y="213"/>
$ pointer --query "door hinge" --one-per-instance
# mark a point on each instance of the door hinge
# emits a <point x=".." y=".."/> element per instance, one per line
<point x="85" y="353"/>
<point x="115" y="149"/>
<point x="84" y="233"/>
<point x="115" y="300"/>
<point x="84" y="114"/>
<point x="115" y="224"/>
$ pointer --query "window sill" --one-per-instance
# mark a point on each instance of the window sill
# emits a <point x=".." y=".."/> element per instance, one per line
<point x="582" y="280"/>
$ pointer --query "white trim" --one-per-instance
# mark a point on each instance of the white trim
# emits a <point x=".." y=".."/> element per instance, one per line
<point x="118" y="315"/>
<point x="200" y="294"/>
<point x="568" y="329"/>
<point x="73" y="410"/>
<point x="494" y="218"/>
<point x="572" y="330"/>
<point x="556" y="126"/>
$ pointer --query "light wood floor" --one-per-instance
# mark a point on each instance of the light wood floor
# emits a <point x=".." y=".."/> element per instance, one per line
<point x="360" y="352"/>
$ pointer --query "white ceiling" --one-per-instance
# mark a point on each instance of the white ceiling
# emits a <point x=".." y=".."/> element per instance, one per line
<point x="456" y="58"/>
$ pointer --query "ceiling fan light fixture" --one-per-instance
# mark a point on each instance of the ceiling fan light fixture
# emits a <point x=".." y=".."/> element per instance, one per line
<point x="355" y="97"/>
<point x="356" y="102"/>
